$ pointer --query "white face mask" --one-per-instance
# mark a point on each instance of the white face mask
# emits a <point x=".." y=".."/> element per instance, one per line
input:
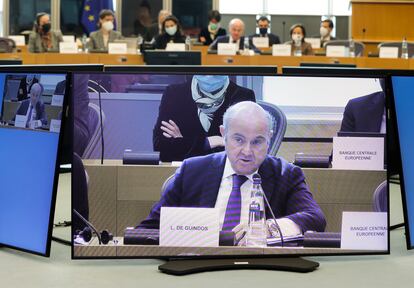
<point x="323" y="31"/>
<point x="297" y="37"/>
<point x="108" y="25"/>
<point x="171" y="30"/>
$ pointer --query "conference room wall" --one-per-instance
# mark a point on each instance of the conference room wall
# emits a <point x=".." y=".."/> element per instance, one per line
<point x="311" y="23"/>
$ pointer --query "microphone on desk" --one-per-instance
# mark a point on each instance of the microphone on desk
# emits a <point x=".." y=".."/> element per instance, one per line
<point x="103" y="238"/>
<point x="258" y="178"/>
<point x="284" y="25"/>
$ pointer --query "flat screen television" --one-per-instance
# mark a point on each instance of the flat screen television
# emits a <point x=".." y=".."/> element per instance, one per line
<point x="31" y="120"/>
<point x="141" y="211"/>
<point x="402" y="87"/>
<point x="172" y="57"/>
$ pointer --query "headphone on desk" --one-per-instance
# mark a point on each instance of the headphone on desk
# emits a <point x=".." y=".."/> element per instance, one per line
<point x="104" y="236"/>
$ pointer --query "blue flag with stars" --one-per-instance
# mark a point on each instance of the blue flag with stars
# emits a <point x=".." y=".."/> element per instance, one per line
<point x="90" y="13"/>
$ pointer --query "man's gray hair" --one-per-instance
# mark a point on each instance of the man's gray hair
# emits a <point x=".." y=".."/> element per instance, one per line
<point x="234" y="20"/>
<point x="234" y="109"/>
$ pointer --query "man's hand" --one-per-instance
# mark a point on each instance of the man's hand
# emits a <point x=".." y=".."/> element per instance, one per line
<point x="240" y="234"/>
<point x="215" y="141"/>
<point x="170" y="129"/>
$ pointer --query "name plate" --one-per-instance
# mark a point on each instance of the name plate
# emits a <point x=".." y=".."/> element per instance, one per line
<point x="57" y="100"/>
<point x="68" y="38"/>
<point x="20" y="121"/>
<point x="68" y="48"/>
<point x="261" y="42"/>
<point x="388" y="52"/>
<point x="18" y="39"/>
<point x="227" y="49"/>
<point x="281" y="50"/>
<point x="364" y="231"/>
<point x="358" y="153"/>
<point x="117" y="48"/>
<point x="175" y="47"/>
<point x="315" y="42"/>
<point x="55" y="126"/>
<point x="189" y="227"/>
<point x="337" y="51"/>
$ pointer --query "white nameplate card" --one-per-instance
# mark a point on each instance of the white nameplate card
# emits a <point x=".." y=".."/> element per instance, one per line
<point x="227" y="49"/>
<point x="281" y="50"/>
<point x="54" y="126"/>
<point x="175" y="47"/>
<point x="20" y="121"/>
<point x="364" y="231"/>
<point x="315" y="42"/>
<point x="117" y="48"/>
<point x="337" y="51"/>
<point x="358" y="153"/>
<point x="57" y="100"/>
<point x="261" y="42"/>
<point x="18" y="39"/>
<point x="68" y="38"/>
<point x="388" y="52"/>
<point x="68" y="48"/>
<point x="189" y="227"/>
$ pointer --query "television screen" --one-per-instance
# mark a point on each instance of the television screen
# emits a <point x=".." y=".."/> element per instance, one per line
<point x="402" y="87"/>
<point x="193" y="167"/>
<point x="32" y="109"/>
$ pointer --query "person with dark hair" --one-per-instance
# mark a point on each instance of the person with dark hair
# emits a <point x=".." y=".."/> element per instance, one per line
<point x="42" y="38"/>
<point x="156" y="28"/>
<point x="171" y="33"/>
<point x="263" y="24"/>
<point x="98" y="40"/>
<point x="144" y="20"/>
<point x="326" y="30"/>
<point x="297" y="35"/>
<point x="213" y="30"/>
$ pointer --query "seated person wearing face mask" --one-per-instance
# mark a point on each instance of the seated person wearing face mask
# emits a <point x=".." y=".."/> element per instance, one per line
<point x="326" y="30"/>
<point x="191" y="113"/>
<point x="42" y="38"/>
<point x="263" y="25"/>
<point x="33" y="108"/>
<point x="98" y="40"/>
<point x="171" y="33"/>
<point x="213" y="30"/>
<point x="298" y="34"/>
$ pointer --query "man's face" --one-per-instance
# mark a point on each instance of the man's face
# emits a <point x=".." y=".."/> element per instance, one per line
<point x="35" y="94"/>
<point x="236" y="30"/>
<point x="263" y="24"/>
<point x="326" y="25"/>
<point x="246" y="143"/>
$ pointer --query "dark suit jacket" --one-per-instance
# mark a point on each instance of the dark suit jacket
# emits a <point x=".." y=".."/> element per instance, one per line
<point x="177" y="104"/>
<point x="162" y="40"/>
<point x="40" y="110"/>
<point x="364" y="114"/>
<point x="206" y="34"/>
<point x="197" y="182"/>
<point x="273" y="39"/>
<point x="226" y="39"/>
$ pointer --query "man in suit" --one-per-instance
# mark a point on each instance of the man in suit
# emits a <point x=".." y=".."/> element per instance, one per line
<point x="218" y="179"/>
<point x="33" y="108"/>
<point x="98" y="40"/>
<point x="236" y="30"/>
<point x="326" y="30"/>
<point x="263" y="25"/>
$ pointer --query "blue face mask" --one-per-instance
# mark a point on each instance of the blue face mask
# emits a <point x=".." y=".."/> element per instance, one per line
<point x="211" y="83"/>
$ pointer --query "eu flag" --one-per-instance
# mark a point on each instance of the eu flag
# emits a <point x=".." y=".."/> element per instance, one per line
<point x="90" y="13"/>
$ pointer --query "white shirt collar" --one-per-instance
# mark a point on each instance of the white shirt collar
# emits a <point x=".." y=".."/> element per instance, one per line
<point x="228" y="171"/>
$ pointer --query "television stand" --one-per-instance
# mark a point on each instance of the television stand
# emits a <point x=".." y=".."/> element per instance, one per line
<point x="189" y="266"/>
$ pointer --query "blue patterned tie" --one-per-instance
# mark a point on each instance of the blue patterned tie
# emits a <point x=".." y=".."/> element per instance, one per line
<point x="232" y="216"/>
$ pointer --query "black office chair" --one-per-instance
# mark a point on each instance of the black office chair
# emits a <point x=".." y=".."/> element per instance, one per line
<point x="80" y="192"/>
<point x="94" y="123"/>
<point x="279" y="126"/>
<point x="359" y="46"/>
<point x="7" y="45"/>
<point x="380" y="198"/>
<point x="410" y="46"/>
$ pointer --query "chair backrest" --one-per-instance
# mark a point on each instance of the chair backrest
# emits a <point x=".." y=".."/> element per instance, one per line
<point x="410" y="46"/>
<point x="380" y="198"/>
<point x="7" y="45"/>
<point x="80" y="192"/>
<point x="359" y="46"/>
<point x="279" y="126"/>
<point x="94" y="126"/>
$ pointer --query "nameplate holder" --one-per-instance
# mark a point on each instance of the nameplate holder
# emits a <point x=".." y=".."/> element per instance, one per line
<point x="57" y="100"/>
<point x="18" y="39"/>
<point x="281" y="50"/>
<point x="358" y="153"/>
<point x="54" y="125"/>
<point x="68" y="38"/>
<point x="261" y="42"/>
<point x="337" y="51"/>
<point x="315" y="42"/>
<point x="229" y="49"/>
<point x="189" y="227"/>
<point x="388" y="52"/>
<point x="175" y="47"/>
<point x="68" y="48"/>
<point x="364" y="231"/>
<point x="117" y="48"/>
<point x="20" y="121"/>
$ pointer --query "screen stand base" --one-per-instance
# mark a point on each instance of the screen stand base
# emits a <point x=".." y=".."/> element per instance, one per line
<point x="189" y="266"/>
